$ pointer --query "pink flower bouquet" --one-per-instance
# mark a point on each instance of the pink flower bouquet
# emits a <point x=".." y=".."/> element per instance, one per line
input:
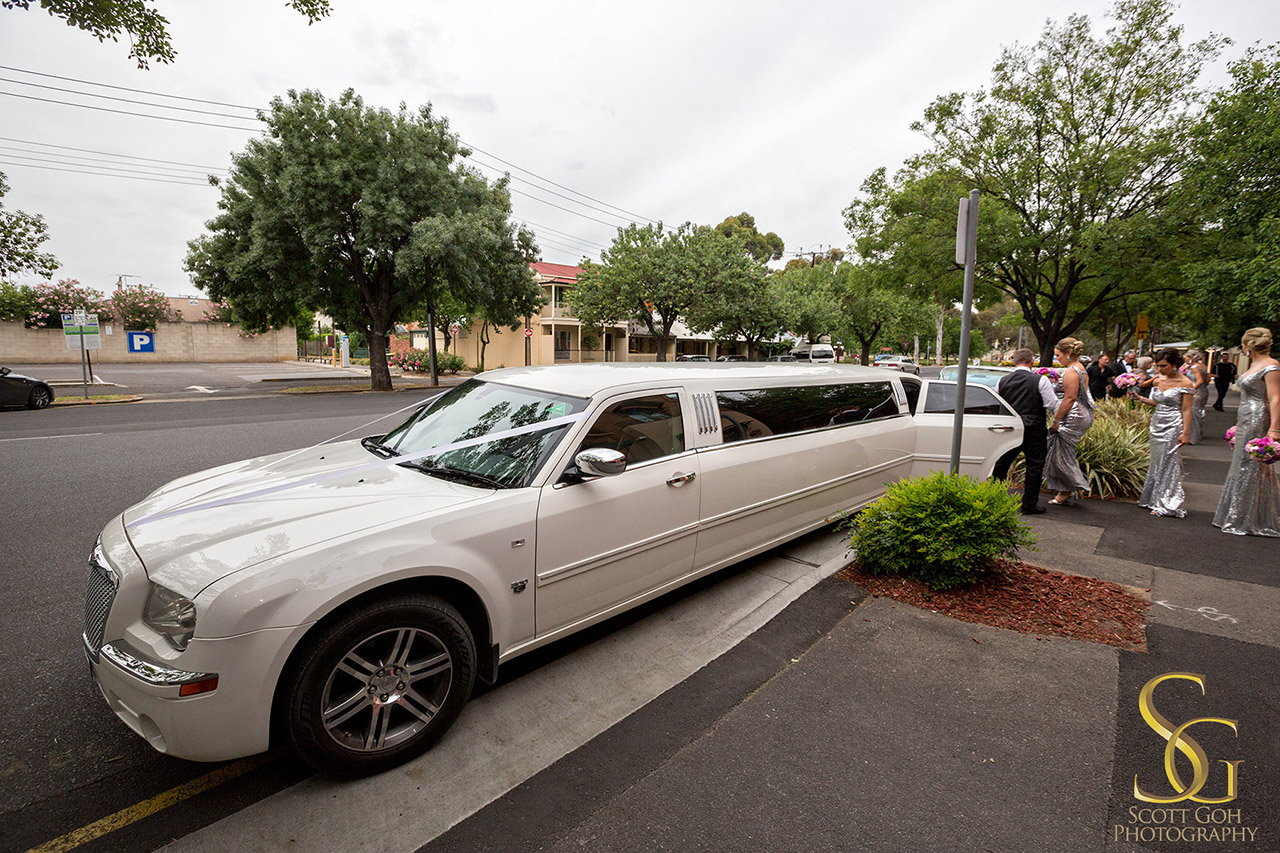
<point x="1049" y="372"/>
<point x="1125" y="381"/>
<point x="1265" y="450"/>
<point x="1231" y="437"/>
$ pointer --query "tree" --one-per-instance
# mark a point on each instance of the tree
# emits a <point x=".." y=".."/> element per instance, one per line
<point x="648" y="275"/>
<point x="808" y="300"/>
<point x="1234" y="180"/>
<point x="363" y="214"/>
<point x="761" y="247"/>
<point x="20" y="237"/>
<point x="145" y="27"/>
<point x="872" y="313"/>
<point x="1077" y="151"/>
<point x="741" y="302"/>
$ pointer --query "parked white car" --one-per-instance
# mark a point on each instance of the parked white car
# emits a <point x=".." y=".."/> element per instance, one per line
<point x="347" y="596"/>
<point x="903" y="363"/>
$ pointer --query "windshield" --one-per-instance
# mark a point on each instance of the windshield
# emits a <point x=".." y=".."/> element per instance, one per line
<point x="476" y="409"/>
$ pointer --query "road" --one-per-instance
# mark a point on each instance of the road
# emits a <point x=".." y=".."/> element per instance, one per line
<point x="66" y="473"/>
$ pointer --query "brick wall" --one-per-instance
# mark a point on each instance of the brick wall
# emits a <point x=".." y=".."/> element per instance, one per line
<point x="196" y="342"/>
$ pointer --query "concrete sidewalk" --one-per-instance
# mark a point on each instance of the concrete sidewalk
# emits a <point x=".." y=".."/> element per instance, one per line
<point x="900" y="729"/>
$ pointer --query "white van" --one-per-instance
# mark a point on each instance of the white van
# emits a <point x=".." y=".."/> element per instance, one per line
<point x="346" y="597"/>
<point x="815" y="353"/>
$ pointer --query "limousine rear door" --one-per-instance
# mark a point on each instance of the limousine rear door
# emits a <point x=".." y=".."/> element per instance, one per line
<point x="604" y="541"/>
<point x="991" y="429"/>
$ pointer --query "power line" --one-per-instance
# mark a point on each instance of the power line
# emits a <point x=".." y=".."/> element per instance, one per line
<point x="127" y="89"/>
<point x="565" y="236"/>
<point x="255" y="110"/>
<point x="110" y="153"/>
<point x="122" y="100"/>
<point x="551" y="192"/>
<point x="129" y="113"/>
<point x="23" y="154"/>
<point x="168" y="173"/>
<point x="106" y="174"/>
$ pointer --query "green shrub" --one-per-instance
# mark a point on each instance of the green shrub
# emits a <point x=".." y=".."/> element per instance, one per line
<point x="17" y="301"/>
<point x="450" y="362"/>
<point x="941" y="530"/>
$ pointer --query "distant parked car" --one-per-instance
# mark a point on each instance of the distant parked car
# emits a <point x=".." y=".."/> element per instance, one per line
<point x="988" y="376"/>
<point x="693" y="358"/>
<point x="781" y="358"/>
<point x="732" y="358"/>
<point x="19" y="390"/>
<point x="903" y="363"/>
<point x="815" y="353"/>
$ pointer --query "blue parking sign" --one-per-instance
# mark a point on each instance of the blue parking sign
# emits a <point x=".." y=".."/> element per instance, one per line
<point x="142" y="341"/>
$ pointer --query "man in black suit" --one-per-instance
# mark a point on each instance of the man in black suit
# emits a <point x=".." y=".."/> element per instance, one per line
<point x="1224" y="372"/>
<point x="1030" y="395"/>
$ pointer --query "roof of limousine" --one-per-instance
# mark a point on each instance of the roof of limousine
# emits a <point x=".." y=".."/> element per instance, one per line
<point x="587" y="380"/>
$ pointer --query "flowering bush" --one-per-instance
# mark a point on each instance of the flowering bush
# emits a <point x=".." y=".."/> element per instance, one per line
<point x="1264" y="449"/>
<point x="51" y="301"/>
<point x="219" y="312"/>
<point x="140" y="308"/>
<point x="1231" y="437"/>
<point x="419" y="361"/>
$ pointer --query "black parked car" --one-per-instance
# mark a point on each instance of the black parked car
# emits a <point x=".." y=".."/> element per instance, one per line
<point x="19" y="390"/>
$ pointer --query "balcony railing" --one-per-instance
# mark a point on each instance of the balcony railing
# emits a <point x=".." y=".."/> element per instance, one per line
<point x="553" y="312"/>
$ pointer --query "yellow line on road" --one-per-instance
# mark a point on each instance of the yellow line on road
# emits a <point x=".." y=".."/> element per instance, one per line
<point x="146" y="808"/>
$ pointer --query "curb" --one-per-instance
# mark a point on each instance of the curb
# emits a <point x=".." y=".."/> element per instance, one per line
<point x="74" y="401"/>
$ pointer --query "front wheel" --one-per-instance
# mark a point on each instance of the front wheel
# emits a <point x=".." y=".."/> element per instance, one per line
<point x="40" y="398"/>
<point x="380" y="686"/>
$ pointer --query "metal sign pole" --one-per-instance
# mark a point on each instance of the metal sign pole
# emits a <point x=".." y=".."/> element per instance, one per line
<point x="81" y="319"/>
<point x="966" y="252"/>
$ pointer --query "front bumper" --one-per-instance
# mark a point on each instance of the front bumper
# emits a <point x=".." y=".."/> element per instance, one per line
<point x="228" y="722"/>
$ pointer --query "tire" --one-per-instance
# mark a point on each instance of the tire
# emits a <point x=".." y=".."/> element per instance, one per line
<point x="379" y="686"/>
<point x="39" y="398"/>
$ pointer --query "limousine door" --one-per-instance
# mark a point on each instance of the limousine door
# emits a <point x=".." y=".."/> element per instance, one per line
<point x="991" y="429"/>
<point x="604" y="541"/>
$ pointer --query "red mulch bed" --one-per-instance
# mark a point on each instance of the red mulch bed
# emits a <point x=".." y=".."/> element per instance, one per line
<point x="1029" y="599"/>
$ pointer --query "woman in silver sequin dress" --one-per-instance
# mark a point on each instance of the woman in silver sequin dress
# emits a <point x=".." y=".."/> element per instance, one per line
<point x="1250" y="502"/>
<point x="1199" y="376"/>
<point x="1071" y="420"/>
<point x="1172" y="396"/>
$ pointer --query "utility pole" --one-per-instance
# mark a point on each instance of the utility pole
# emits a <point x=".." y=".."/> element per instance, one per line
<point x="966" y="252"/>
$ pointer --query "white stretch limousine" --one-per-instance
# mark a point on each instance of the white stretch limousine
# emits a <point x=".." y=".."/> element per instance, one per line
<point x="347" y="596"/>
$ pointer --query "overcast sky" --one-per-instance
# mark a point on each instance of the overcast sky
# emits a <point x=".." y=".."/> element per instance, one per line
<point x="678" y="111"/>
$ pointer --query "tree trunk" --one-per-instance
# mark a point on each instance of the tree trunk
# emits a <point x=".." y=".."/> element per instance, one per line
<point x="484" y="342"/>
<point x="379" y="372"/>
<point x="937" y="352"/>
<point x="431" y="346"/>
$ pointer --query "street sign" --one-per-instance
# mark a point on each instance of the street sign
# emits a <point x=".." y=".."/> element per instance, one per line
<point x="453" y="329"/>
<point x="78" y="326"/>
<point x="528" y="333"/>
<point x="141" y="341"/>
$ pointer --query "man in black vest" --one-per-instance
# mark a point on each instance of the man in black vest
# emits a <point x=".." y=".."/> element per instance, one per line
<point x="1030" y="395"/>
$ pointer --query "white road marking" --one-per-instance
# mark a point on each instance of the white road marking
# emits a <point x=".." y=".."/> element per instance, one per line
<point x="38" y="437"/>
<point x="1210" y="613"/>
<point x="202" y="389"/>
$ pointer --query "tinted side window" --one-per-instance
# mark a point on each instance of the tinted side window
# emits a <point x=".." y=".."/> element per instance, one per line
<point x="911" y="387"/>
<point x="642" y="428"/>
<point x="777" y="411"/>
<point x="977" y="401"/>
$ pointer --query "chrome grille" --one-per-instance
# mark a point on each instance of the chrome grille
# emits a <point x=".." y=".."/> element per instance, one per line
<point x="97" y="604"/>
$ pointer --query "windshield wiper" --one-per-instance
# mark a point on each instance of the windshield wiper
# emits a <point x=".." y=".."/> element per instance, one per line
<point x="455" y="473"/>
<point x="373" y="445"/>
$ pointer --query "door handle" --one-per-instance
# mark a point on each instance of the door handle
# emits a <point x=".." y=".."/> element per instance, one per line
<point x="1000" y="428"/>
<point x="679" y="480"/>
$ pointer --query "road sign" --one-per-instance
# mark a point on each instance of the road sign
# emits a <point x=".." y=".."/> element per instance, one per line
<point x="141" y="341"/>
<point x="528" y="333"/>
<point x="79" y="326"/>
<point x="453" y="329"/>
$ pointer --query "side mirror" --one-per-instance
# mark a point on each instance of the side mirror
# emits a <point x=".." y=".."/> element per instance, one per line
<point x="600" y="462"/>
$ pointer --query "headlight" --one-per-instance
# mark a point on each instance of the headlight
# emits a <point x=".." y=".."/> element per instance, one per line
<point x="172" y="615"/>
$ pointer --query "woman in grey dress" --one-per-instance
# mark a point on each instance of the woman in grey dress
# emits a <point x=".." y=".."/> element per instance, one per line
<point x="1172" y="396"/>
<point x="1250" y="502"/>
<point x="1071" y="420"/>
<point x="1199" y="376"/>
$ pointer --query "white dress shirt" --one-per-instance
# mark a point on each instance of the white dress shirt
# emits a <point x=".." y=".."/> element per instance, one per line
<point x="1047" y="396"/>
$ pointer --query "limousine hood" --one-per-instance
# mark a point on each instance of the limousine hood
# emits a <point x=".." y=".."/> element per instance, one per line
<point x="205" y="526"/>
